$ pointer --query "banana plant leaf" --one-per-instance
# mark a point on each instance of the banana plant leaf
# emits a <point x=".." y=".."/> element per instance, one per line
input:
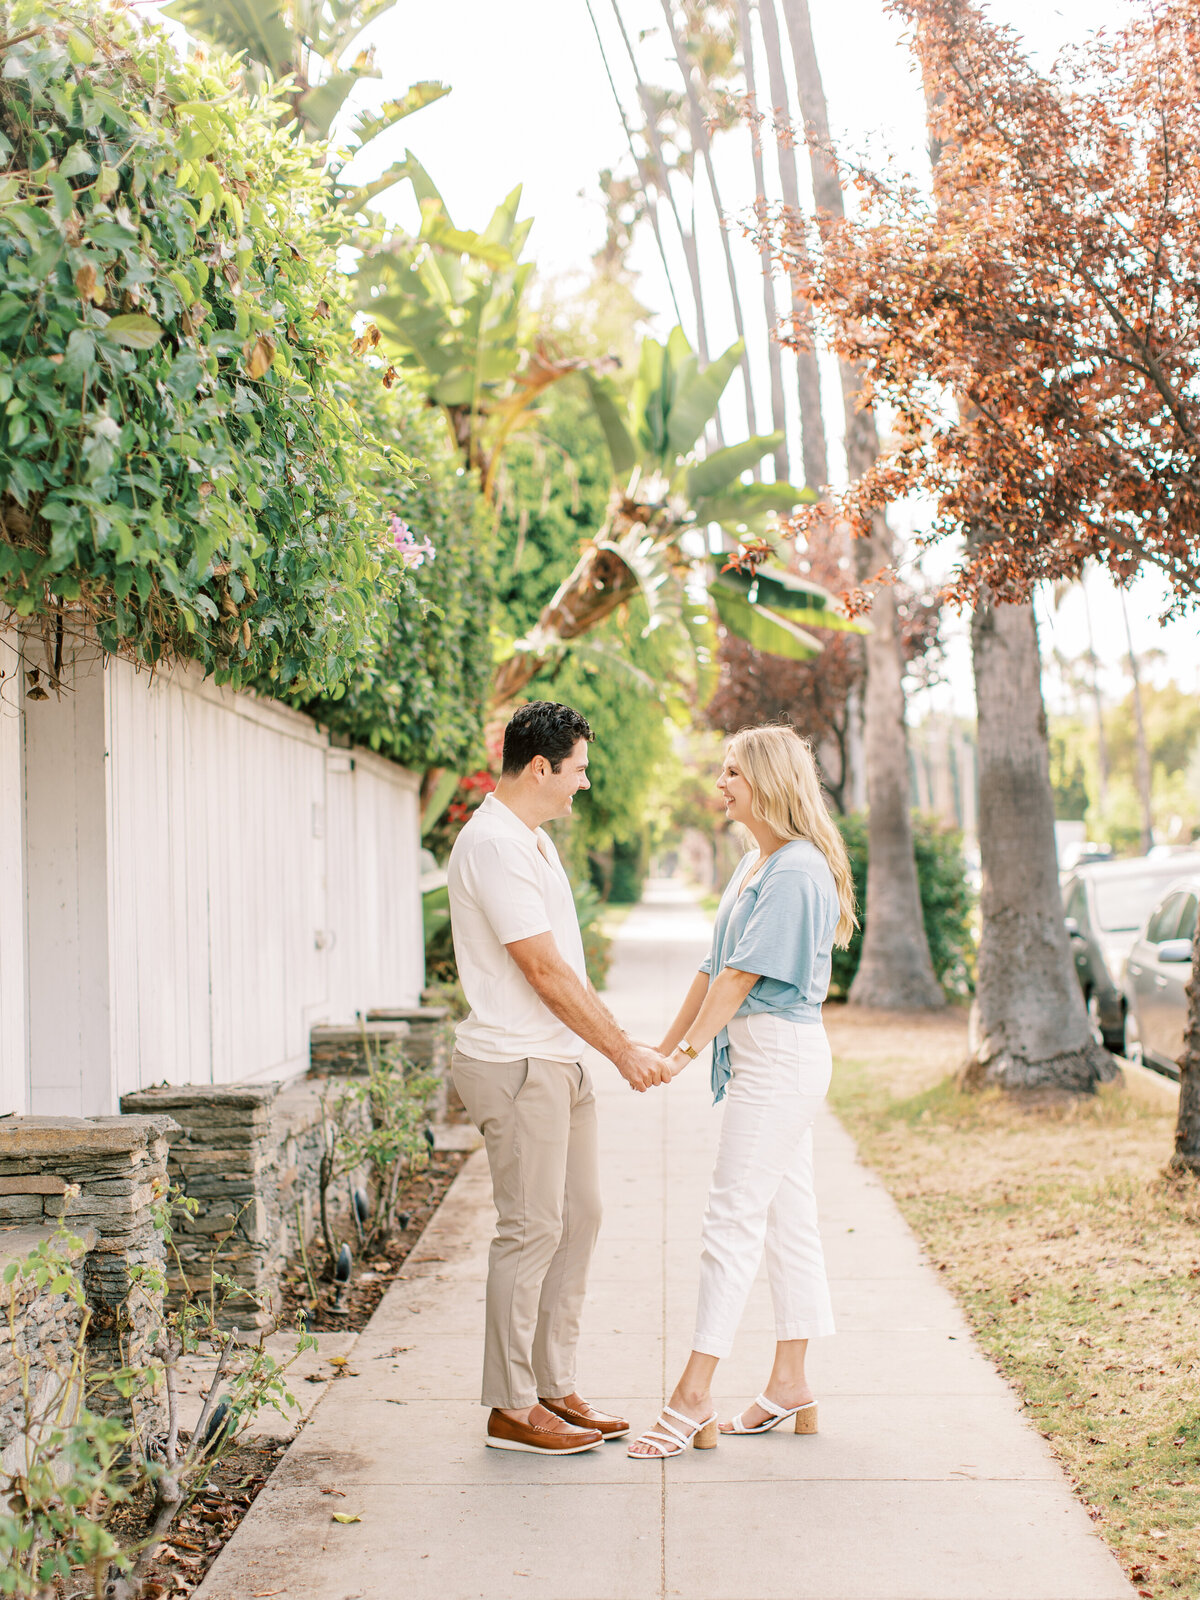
<point x="804" y="603"/>
<point x="748" y="507"/>
<point x="370" y="124"/>
<point x="320" y="105"/>
<point x="694" y="401"/>
<point x="768" y="631"/>
<point x="610" y="412"/>
<point x="724" y="467"/>
<point x="258" y="27"/>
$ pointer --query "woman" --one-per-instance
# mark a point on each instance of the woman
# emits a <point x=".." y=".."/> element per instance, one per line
<point x="758" y="999"/>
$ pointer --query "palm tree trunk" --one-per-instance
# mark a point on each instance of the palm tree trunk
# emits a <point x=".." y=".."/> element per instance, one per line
<point x="647" y="194"/>
<point x="701" y="142"/>
<point x="1032" y="1028"/>
<point x="1187" y="1127"/>
<point x="896" y="971"/>
<point x="812" y="420"/>
<point x="774" y="352"/>
<point x="1101" y="740"/>
<point x="1139" y="728"/>
<point x="662" y="179"/>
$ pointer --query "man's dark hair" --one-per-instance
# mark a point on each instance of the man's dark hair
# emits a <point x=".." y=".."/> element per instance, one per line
<point x="542" y="729"/>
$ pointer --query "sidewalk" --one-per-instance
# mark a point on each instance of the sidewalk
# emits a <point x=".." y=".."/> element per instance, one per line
<point x="923" y="1484"/>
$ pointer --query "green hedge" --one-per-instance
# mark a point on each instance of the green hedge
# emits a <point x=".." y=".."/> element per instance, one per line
<point x="178" y="468"/>
<point x="192" y="460"/>
<point x="945" y="902"/>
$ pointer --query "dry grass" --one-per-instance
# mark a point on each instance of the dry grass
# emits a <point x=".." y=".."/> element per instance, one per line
<point x="1075" y="1257"/>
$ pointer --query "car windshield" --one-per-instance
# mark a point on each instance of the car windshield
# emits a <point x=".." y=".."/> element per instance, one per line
<point x="1123" y="903"/>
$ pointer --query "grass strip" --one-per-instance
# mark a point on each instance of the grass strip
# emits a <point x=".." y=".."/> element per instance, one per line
<point x="1076" y="1260"/>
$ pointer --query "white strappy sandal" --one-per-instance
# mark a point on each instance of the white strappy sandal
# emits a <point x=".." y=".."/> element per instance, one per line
<point x="673" y="1442"/>
<point x="805" y="1415"/>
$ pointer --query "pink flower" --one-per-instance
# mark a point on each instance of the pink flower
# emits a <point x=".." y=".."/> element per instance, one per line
<point x="410" y="552"/>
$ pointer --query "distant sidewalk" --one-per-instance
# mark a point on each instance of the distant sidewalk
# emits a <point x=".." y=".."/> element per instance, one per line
<point x="925" y="1483"/>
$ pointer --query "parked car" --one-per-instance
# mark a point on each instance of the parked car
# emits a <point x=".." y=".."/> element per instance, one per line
<point x="1105" y="903"/>
<point x="1156" y="978"/>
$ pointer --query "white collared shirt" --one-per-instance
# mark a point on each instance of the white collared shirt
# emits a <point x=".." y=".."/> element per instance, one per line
<point x="507" y="883"/>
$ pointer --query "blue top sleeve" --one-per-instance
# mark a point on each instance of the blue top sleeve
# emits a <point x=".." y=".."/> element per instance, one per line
<point x="706" y="965"/>
<point x="783" y="930"/>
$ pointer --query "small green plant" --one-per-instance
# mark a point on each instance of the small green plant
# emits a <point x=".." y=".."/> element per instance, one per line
<point x="386" y="1130"/>
<point x="75" y="1463"/>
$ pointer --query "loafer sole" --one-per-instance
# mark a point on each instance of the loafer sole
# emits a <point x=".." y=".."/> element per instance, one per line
<point x="542" y="1449"/>
<point x="619" y="1435"/>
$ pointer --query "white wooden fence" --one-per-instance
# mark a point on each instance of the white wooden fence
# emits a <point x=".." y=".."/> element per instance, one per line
<point x="190" y="879"/>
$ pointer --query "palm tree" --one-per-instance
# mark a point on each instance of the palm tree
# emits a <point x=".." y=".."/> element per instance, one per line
<point x="702" y="143"/>
<point x="895" y="971"/>
<point x="774" y="353"/>
<point x="812" y="421"/>
<point x="657" y="174"/>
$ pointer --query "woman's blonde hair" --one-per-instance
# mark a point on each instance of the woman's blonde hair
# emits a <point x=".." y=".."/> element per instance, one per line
<point x="786" y="794"/>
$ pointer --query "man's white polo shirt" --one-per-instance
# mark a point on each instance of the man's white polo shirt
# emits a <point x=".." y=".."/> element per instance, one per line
<point x="507" y="883"/>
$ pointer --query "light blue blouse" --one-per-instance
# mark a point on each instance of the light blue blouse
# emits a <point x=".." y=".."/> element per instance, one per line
<point x="782" y="927"/>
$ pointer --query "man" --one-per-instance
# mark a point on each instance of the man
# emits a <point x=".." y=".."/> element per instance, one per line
<point x="518" y="1070"/>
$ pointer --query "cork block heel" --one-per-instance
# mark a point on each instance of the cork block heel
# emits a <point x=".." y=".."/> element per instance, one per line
<point x="806" y="1419"/>
<point x="707" y="1436"/>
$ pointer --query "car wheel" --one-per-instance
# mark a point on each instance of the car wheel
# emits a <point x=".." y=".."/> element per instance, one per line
<point x="1133" y="1041"/>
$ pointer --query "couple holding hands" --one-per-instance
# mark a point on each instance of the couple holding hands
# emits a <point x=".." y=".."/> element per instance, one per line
<point x="517" y="1067"/>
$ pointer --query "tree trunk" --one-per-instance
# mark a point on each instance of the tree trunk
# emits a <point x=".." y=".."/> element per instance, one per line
<point x="774" y="352"/>
<point x="812" y="420"/>
<point x="895" y="970"/>
<point x="701" y="143"/>
<point x="1139" y="728"/>
<point x="1094" y="670"/>
<point x="1187" y="1128"/>
<point x="1032" y="1027"/>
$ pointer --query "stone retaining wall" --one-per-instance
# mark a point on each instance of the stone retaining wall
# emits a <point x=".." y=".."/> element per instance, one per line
<point x="119" y="1165"/>
<point x="38" y="1335"/>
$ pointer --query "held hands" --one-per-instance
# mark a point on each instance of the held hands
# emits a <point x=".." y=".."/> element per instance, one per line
<point x="642" y="1067"/>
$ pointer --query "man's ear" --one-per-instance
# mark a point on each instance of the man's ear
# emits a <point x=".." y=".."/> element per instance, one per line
<point x="539" y="766"/>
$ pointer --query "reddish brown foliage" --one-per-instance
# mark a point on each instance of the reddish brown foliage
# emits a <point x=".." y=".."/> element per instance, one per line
<point x="1034" y="326"/>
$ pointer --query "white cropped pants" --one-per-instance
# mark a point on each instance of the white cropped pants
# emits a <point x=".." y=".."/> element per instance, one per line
<point x="762" y="1185"/>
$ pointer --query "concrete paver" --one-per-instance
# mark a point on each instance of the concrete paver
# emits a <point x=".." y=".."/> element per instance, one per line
<point x="924" y="1483"/>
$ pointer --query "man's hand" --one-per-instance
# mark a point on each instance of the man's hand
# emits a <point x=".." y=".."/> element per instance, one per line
<point x="642" y="1066"/>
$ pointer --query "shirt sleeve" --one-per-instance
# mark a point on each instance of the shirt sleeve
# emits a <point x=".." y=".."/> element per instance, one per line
<point x="706" y="965"/>
<point x="782" y="932"/>
<point x="505" y="886"/>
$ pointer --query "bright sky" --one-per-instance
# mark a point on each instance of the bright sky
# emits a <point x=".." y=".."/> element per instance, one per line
<point x="531" y="105"/>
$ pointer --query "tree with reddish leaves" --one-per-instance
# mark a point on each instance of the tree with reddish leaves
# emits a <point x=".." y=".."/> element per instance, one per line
<point x="1032" y="325"/>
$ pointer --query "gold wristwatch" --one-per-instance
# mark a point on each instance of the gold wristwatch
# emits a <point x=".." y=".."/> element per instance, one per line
<point x="687" y="1049"/>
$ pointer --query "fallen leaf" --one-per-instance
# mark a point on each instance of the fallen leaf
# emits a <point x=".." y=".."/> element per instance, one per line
<point x="340" y="1492"/>
<point x="338" y="1361"/>
<point x="346" y="1516"/>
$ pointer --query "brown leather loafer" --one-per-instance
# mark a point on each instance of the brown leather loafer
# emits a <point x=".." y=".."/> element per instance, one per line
<point x="580" y="1414"/>
<point x="504" y="1433"/>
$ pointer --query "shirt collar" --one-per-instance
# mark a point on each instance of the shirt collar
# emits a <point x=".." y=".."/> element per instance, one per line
<point x="499" y="814"/>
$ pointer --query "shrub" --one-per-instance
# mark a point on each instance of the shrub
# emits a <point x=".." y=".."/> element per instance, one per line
<point x="179" y="460"/>
<point x="945" y="902"/>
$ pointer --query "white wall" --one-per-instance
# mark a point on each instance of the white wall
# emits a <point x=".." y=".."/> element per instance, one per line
<point x="206" y="880"/>
<point x="14" y="1085"/>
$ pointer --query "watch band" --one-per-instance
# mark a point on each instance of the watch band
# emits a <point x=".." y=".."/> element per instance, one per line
<point x="687" y="1049"/>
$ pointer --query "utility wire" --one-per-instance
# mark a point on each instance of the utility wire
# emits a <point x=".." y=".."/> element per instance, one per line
<point x="637" y="166"/>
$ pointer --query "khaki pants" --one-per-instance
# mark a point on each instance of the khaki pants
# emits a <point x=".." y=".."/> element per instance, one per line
<point x="538" y="1121"/>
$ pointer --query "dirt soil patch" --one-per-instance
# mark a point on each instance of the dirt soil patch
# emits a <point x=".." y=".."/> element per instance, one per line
<point x="419" y="1196"/>
<point x="201" y="1529"/>
<point x="1075" y="1257"/>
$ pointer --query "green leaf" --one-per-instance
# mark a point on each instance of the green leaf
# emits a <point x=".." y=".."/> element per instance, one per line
<point x="610" y="413"/>
<point x="695" y="402"/>
<point x="748" y="507"/>
<point x="134" y="330"/>
<point x="419" y="95"/>
<point x="767" y="631"/>
<point x="76" y="161"/>
<point x="80" y="48"/>
<point x="723" y="467"/>
<point x="801" y="601"/>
